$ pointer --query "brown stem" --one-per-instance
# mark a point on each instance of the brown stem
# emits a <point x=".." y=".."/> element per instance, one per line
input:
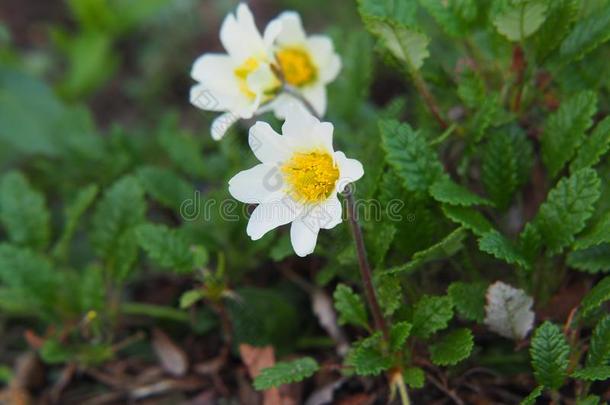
<point x="365" y="269"/>
<point x="429" y="99"/>
<point x="291" y="91"/>
<point x="518" y="66"/>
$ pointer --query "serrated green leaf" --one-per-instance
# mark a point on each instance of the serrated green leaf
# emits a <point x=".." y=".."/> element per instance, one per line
<point x="530" y="242"/>
<point x="73" y="212"/>
<point x="350" y="307"/>
<point x="587" y="35"/>
<point x="567" y="208"/>
<point x="389" y="292"/>
<point x="519" y="21"/>
<point x="561" y="15"/>
<point x="599" y="348"/>
<point x="550" y="351"/>
<point x="399" y="332"/>
<point x="431" y="314"/>
<point x="452" y="348"/>
<point x="447" y="191"/>
<point x="469" y="218"/>
<point x="121" y="208"/>
<point x="596" y="296"/>
<point x="447" y="247"/>
<point x="501" y="248"/>
<point x="286" y="373"/>
<point x="468" y="299"/>
<point x="590" y="400"/>
<point x="366" y="356"/>
<point x="565" y="129"/>
<point x="165" y="186"/>
<point x="23" y="212"/>
<point x="166" y="247"/>
<point x="408" y="153"/>
<point x="452" y="16"/>
<point x="598" y="234"/>
<point x="533" y="396"/>
<point x="471" y="87"/>
<point x="594" y="147"/>
<point x="507" y="161"/>
<point x="593" y="373"/>
<point x="595" y="259"/>
<point x="184" y="151"/>
<point x="414" y="377"/>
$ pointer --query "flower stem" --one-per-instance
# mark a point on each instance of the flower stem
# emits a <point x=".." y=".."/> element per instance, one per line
<point x="365" y="268"/>
<point x="424" y="91"/>
<point x="291" y="91"/>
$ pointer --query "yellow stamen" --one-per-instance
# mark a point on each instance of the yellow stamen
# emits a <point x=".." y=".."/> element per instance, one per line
<point x="242" y="72"/>
<point x="91" y="315"/>
<point x="296" y="66"/>
<point x="311" y="176"/>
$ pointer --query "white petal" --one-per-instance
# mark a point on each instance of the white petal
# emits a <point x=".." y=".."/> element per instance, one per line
<point x="350" y="170"/>
<point x="206" y="98"/>
<point x="331" y="212"/>
<point x="256" y="185"/>
<point x="221" y="125"/>
<point x="508" y="311"/>
<point x="272" y="30"/>
<point x="268" y="146"/>
<point x="292" y="29"/>
<point x="316" y="95"/>
<point x="239" y="34"/>
<point x="270" y="215"/>
<point x="213" y="68"/>
<point x="331" y="69"/>
<point x="299" y="122"/>
<point x="303" y="237"/>
<point x="262" y="79"/>
<point x="324" y="135"/>
<point x="321" y="48"/>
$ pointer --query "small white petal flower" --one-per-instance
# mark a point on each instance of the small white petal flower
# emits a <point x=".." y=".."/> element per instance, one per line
<point x="297" y="180"/>
<point x="237" y="82"/>
<point x="508" y="311"/>
<point x="307" y="63"/>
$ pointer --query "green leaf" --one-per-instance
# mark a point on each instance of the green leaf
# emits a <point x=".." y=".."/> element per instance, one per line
<point x="190" y="297"/>
<point x="184" y="151"/>
<point x="469" y="218"/>
<point x="452" y="16"/>
<point x="471" y="87"/>
<point x="599" y="348"/>
<point x="594" y="373"/>
<point x="561" y="15"/>
<point x="447" y="247"/>
<point x="166" y="247"/>
<point x="594" y="259"/>
<point x="587" y="35"/>
<point x="598" y="234"/>
<point x="350" y="307"/>
<point x="431" y="314"/>
<point x="389" y="292"/>
<point x="567" y="208"/>
<point x="452" y="348"/>
<point x="596" y="296"/>
<point x="519" y="21"/>
<point x="533" y="396"/>
<point x="399" y="332"/>
<point x="366" y="356"/>
<point x="594" y="147"/>
<point x="73" y="212"/>
<point x="410" y="155"/>
<point x="414" y="377"/>
<point x="565" y="129"/>
<point x="501" y="248"/>
<point x="286" y="373"/>
<point x="165" y="186"/>
<point x="507" y="162"/>
<point x="121" y="208"/>
<point x="590" y="400"/>
<point x="23" y="212"/>
<point x="469" y="299"/>
<point x="549" y="351"/>
<point x="445" y="190"/>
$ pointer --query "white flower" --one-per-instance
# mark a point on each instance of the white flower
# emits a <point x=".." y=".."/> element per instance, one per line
<point x="237" y="82"/>
<point x="297" y="180"/>
<point x="307" y="64"/>
<point x="508" y="311"/>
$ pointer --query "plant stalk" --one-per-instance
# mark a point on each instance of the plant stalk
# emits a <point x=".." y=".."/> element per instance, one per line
<point x="422" y="89"/>
<point x="365" y="268"/>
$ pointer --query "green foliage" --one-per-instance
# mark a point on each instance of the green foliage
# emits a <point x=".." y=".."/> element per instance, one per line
<point x="445" y="190"/>
<point x="598" y="234"/>
<point x="567" y="208"/>
<point x="561" y="15"/>
<point x="501" y="248"/>
<point x="431" y="314"/>
<point x="469" y="218"/>
<point x="167" y="247"/>
<point x="594" y="373"/>
<point x="594" y="146"/>
<point x="165" y="186"/>
<point x="565" y="130"/>
<point x="414" y="377"/>
<point x="594" y="259"/>
<point x="454" y="17"/>
<point x="452" y="348"/>
<point x="409" y="154"/>
<point x="549" y="351"/>
<point x="367" y="357"/>
<point x="468" y="299"/>
<point x="286" y="373"/>
<point x="350" y="307"/>
<point x="587" y="35"/>
<point x="519" y="20"/>
<point x="23" y="212"/>
<point x="599" y="348"/>
<point x="398" y="335"/>
<point x="596" y="296"/>
<point x="533" y="396"/>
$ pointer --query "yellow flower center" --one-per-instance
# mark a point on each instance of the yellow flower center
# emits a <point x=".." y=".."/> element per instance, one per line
<point x="311" y="176"/>
<point x="296" y="66"/>
<point x="242" y="72"/>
